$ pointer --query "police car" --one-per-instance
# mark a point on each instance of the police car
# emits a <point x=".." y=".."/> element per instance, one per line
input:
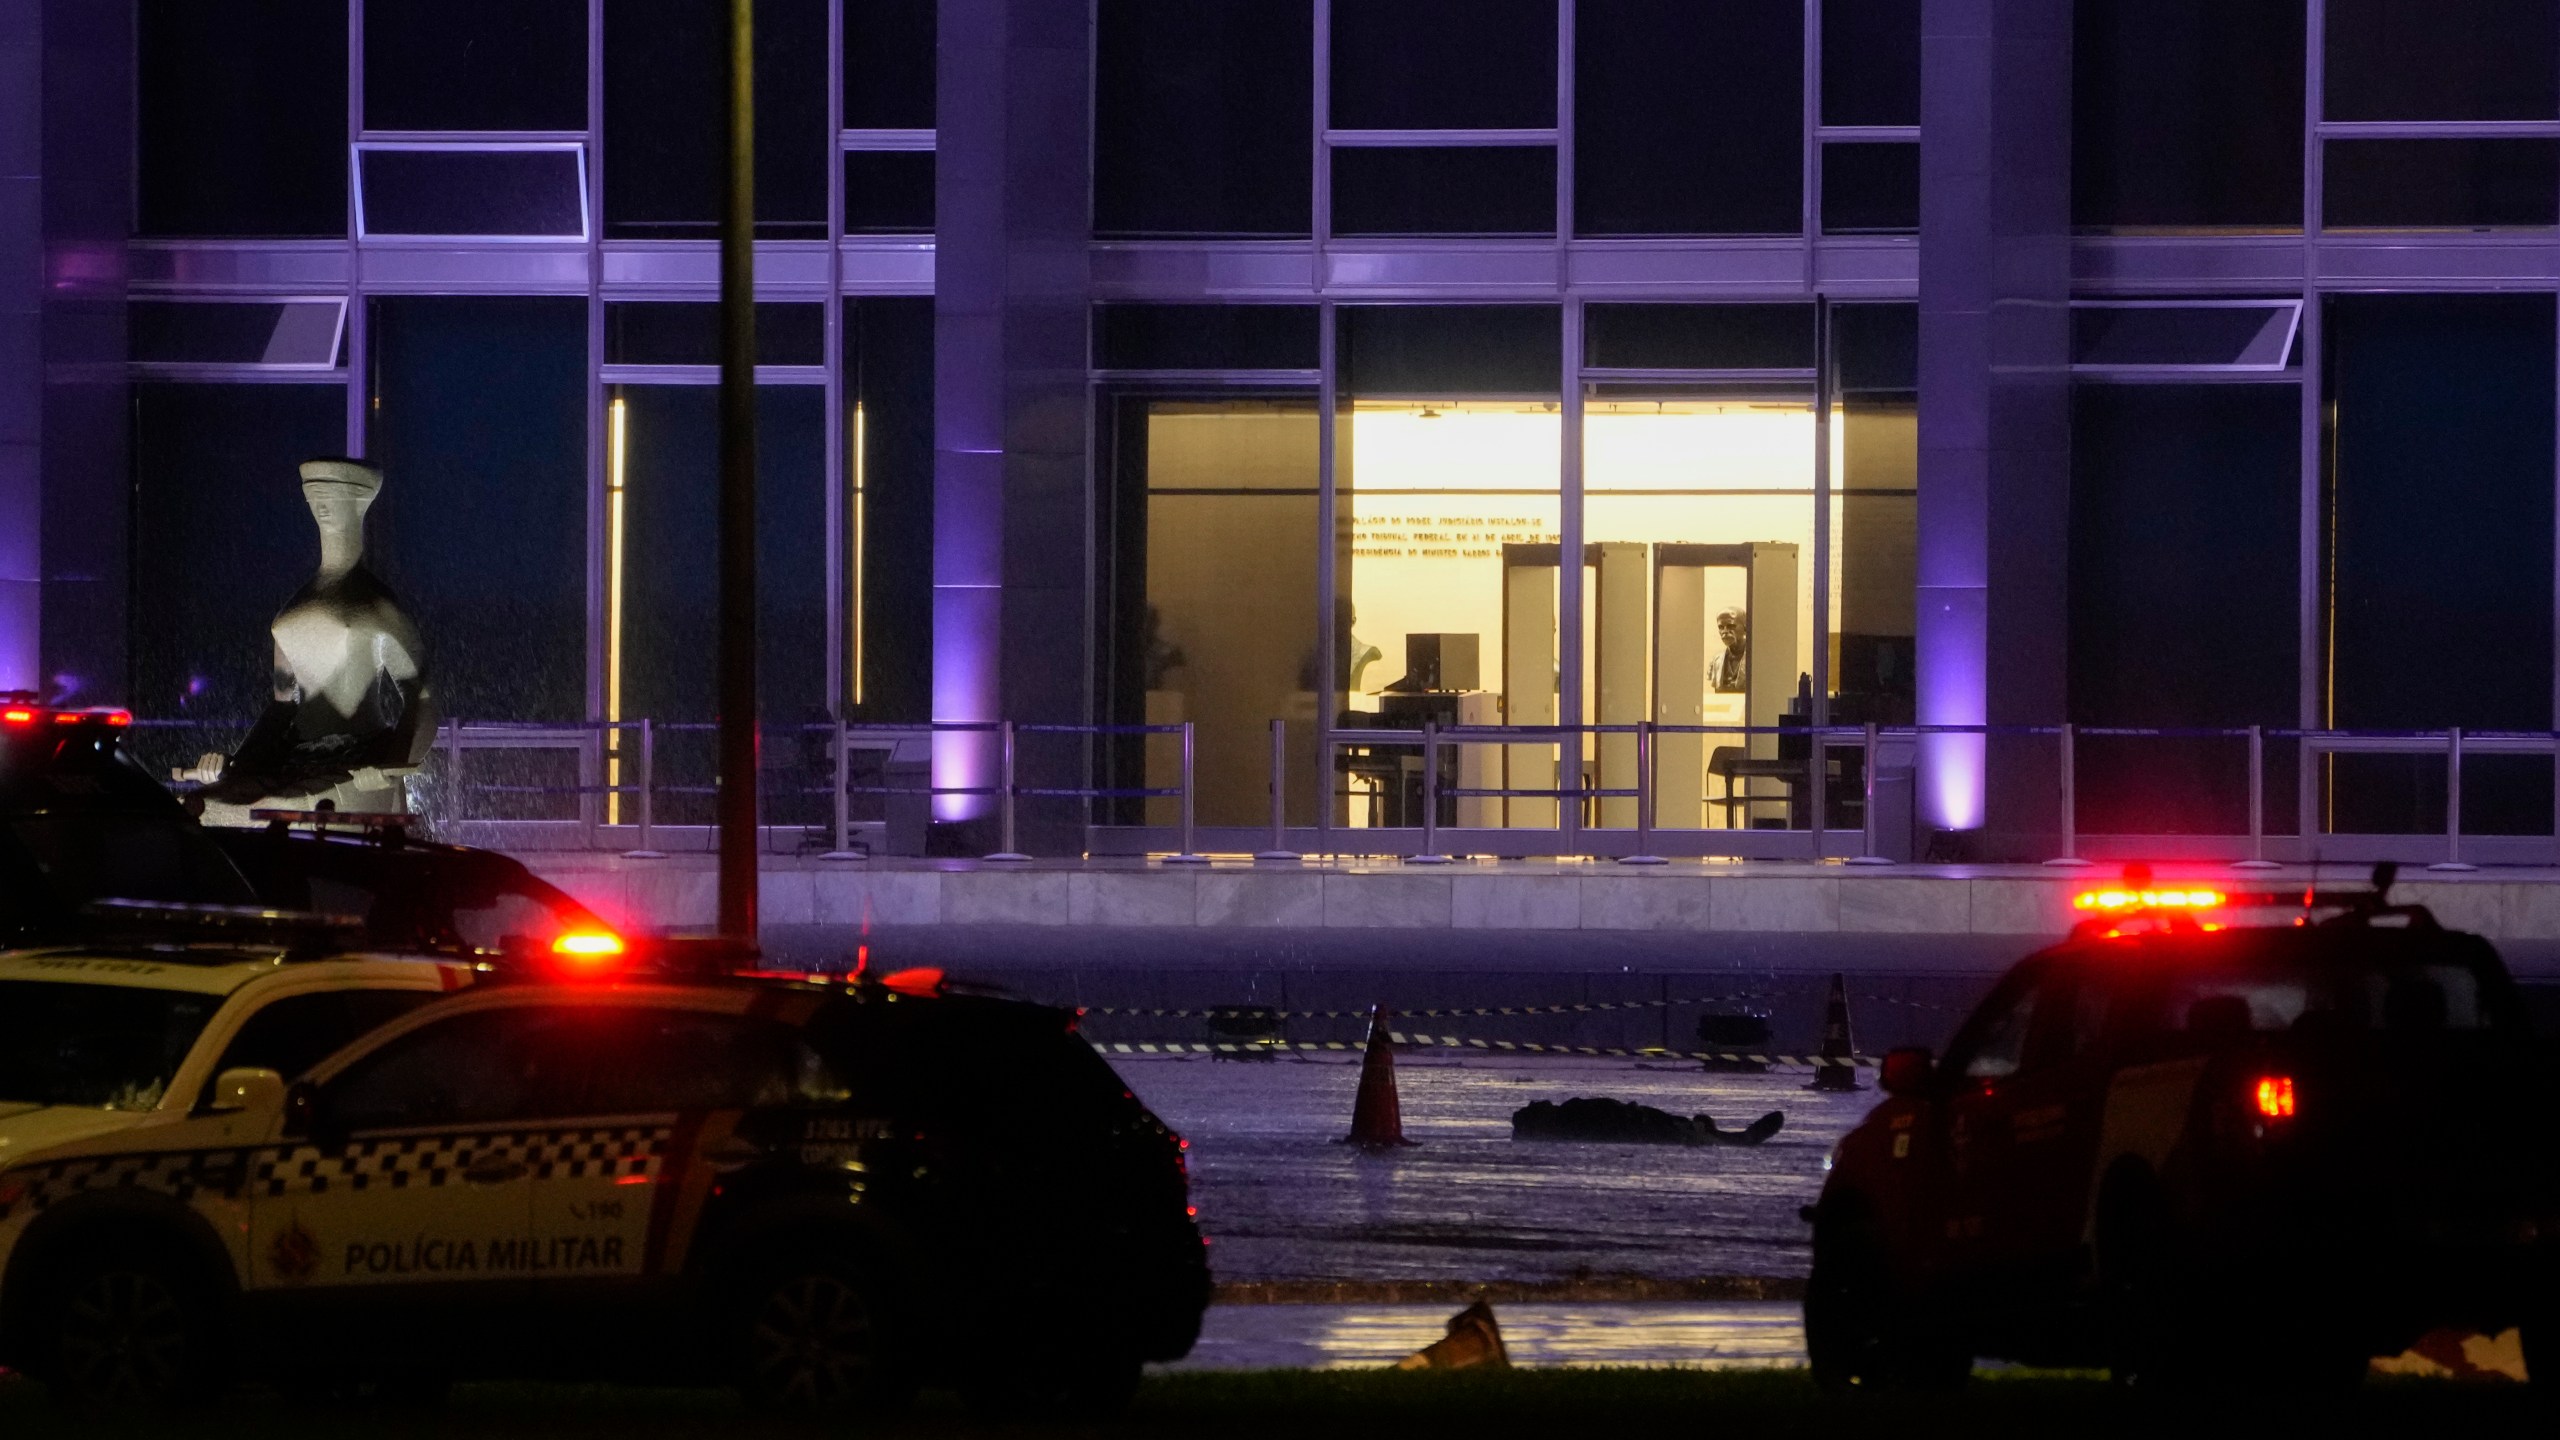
<point x="80" y="823"/>
<point x="2191" y="1150"/>
<point x="265" y="1157"/>
<point x="411" y="895"/>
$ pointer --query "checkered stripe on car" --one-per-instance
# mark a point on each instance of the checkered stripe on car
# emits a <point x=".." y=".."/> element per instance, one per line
<point x="412" y="1161"/>
<point x="600" y="1153"/>
<point x="429" y="1161"/>
<point x="181" y="1175"/>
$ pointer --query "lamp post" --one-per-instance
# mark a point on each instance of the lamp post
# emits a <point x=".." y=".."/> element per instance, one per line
<point x="738" y="765"/>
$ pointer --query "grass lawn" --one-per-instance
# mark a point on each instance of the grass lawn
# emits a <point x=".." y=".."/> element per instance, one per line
<point x="1555" y="1404"/>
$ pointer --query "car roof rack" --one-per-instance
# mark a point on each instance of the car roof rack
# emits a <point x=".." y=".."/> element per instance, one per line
<point x="390" y="827"/>
<point x="2363" y="907"/>
<point x="303" y="934"/>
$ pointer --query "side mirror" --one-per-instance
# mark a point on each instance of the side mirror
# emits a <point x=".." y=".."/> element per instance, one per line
<point x="1906" y="1070"/>
<point x="301" y="1110"/>
<point x="248" y="1091"/>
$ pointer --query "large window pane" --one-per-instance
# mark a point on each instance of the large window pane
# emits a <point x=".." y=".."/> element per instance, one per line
<point x="888" y="192"/>
<point x="1671" y="337"/>
<point x="1445" y="559"/>
<point x="243" y="112"/>
<point x="687" y="332"/>
<point x="1204" y="337"/>
<point x="1444" y="65"/>
<point x="1448" y="190"/>
<point x="475" y="64"/>
<point x="664" y="660"/>
<point x="2438" y="555"/>
<point x="1870" y="189"/>
<point x="888" y="64"/>
<point x="2443" y="60"/>
<point x="1698" y="575"/>
<point x="221" y="541"/>
<point x="2186" y="113"/>
<point x="1875" y="540"/>
<point x="1871" y="62"/>
<point x="479" y="424"/>
<point x="666" y="67"/>
<point x="889" y="609"/>
<point x="1201" y="117"/>
<point x="1689" y="117"/>
<point x="2186" y="505"/>
<point x="1211" y="615"/>
<point x="508" y="193"/>
<point x="2441" y="184"/>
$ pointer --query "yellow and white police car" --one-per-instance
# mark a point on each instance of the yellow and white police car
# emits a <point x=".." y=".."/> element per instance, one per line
<point x="227" y="1159"/>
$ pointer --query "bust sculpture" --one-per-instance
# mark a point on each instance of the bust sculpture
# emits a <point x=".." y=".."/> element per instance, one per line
<point x="352" y="714"/>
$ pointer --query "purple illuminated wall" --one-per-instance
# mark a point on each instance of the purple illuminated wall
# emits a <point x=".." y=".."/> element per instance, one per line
<point x="1995" y="440"/>
<point x="21" y="364"/>
<point x="66" y="98"/>
<point x="1010" y="302"/>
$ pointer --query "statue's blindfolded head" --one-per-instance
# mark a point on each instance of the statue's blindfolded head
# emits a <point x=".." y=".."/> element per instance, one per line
<point x="355" y="476"/>
<point x="329" y="485"/>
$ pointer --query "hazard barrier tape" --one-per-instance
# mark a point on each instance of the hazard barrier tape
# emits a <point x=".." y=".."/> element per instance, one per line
<point x="1470" y="1012"/>
<point x="1453" y="1042"/>
<point x="1526" y="1047"/>
<point x="1910" y="1004"/>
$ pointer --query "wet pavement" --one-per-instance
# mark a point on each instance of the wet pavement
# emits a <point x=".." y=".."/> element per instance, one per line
<point x="1282" y="1201"/>
<point x="1734" y="1335"/>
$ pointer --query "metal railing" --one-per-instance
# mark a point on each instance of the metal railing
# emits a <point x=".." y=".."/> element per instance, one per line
<point x="606" y="785"/>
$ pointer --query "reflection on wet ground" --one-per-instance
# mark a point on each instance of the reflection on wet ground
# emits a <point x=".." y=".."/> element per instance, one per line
<point x="1741" y="1335"/>
<point x="1282" y="1201"/>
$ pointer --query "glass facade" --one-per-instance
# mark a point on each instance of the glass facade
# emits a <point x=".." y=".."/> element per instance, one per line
<point x="2437" y="559"/>
<point x="1452" y="362"/>
<point x="477" y="415"/>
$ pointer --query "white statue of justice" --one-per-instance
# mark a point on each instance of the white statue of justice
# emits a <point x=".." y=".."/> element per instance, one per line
<point x="352" y="715"/>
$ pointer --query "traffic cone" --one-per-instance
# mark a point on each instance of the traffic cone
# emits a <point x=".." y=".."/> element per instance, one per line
<point x="1377" y="1121"/>
<point x="1837" y="1047"/>
<point x="1474" y="1340"/>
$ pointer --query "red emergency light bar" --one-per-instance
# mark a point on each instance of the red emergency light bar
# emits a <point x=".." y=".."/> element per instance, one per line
<point x="37" y="714"/>
<point x="2118" y="901"/>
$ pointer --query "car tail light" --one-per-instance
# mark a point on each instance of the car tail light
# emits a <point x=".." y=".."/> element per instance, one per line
<point x="2273" y="1095"/>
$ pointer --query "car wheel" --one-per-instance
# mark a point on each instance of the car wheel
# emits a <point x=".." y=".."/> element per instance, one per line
<point x="130" y="1331"/>
<point x="814" y="1338"/>
<point x="1860" y="1330"/>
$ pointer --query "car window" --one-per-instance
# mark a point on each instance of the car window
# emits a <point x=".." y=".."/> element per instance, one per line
<point x="1996" y="1041"/>
<point x="2093" y="1006"/>
<point x="106" y="855"/>
<point x="473" y="1069"/>
<point x="111" y="1047"/>
<point x="483" y="926"/>
<point x="1029" y="1078"/>
<point x="2337" y="991"/>
<point x="297" y="1032"/>
<point x="396" y="916"/>
<point x="331" y="895"/>
<point x="653" y="1061"/>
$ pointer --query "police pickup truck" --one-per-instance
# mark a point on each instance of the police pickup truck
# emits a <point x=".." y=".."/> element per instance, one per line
<point x="255" y="1153"/>
<point x="2194" y="1150"/>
